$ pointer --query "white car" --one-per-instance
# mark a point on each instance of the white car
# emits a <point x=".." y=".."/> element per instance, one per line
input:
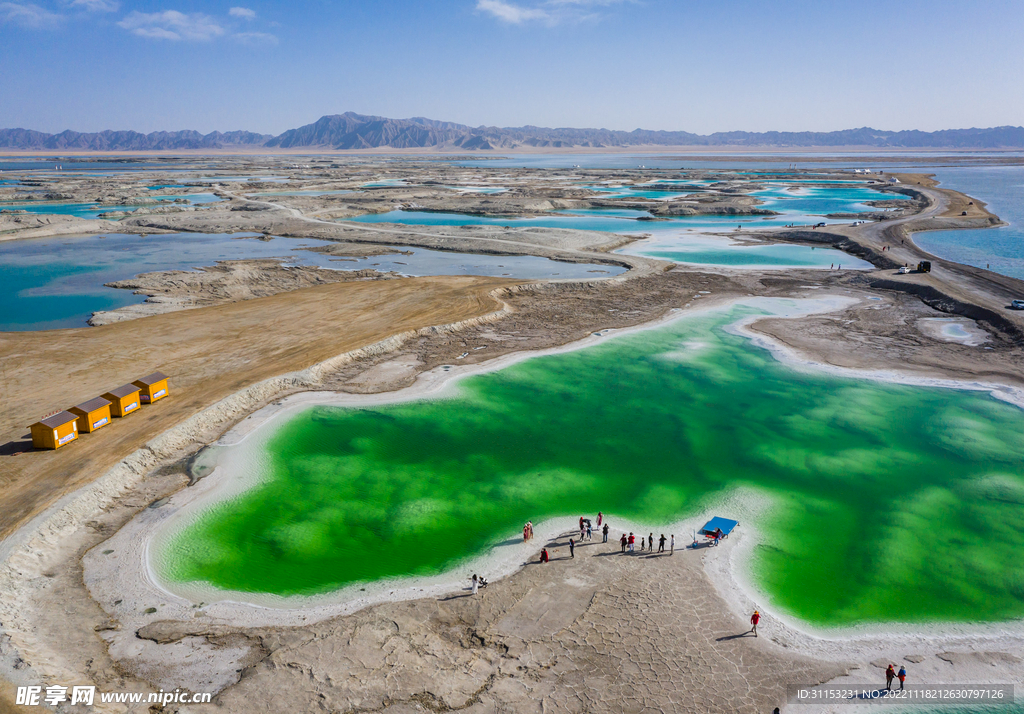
<point x="904" y="270"/>
<point x="1017" y="304"/>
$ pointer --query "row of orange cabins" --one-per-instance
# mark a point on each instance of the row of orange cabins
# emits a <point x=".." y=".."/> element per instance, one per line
<point x="64" y="427"/>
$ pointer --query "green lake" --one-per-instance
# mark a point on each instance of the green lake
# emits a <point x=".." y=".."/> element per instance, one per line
<point x="885" y="502"/>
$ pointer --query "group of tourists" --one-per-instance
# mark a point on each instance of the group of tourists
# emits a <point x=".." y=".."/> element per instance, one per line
<point x="586" y="533"/>
<point x="628" y="543"/>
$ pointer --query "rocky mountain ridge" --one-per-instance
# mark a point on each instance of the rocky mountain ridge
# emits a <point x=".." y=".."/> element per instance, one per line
<point x="359" y="131"/>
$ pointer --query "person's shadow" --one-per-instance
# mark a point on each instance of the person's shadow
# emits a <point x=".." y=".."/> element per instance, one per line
<point x="735" y="637"/>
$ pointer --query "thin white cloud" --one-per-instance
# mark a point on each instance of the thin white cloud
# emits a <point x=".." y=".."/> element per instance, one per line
<point x="255" y="39"/>
<point x="243" y="13"/>
<point x="28" y="15"/>
<point x="96" y="5"/>
<point x="510" y="13"/>
<point x="172" y="25"/>
<point x="548" y="12"/>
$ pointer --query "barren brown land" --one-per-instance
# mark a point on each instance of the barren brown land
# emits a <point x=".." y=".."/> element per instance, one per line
<point x="590" y="634"/>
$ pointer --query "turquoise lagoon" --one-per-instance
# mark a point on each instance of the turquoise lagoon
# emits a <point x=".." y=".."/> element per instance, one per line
<point x="685" y="239"/>
<point x="49" y="283"/>
<point x="93" y="210"/>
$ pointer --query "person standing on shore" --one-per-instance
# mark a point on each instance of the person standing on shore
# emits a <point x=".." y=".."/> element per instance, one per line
<point x="890" y="674"/>
<point x="902" y="676"/>
<point x="632" y="543"/>
<point x="600" y="517"/>
<point x="476" y="583"/>
<point x="650" y="543"/>
<point x="673" y="545"/>
<point x="661" y="543"/>
<point x="544" y="555"/>
<point x="590" y="532"/>
<point x="754" y="619"/>
<point x="623" y="540"/>
<point x="604" y="530"/>
<point x="572" y="548"/>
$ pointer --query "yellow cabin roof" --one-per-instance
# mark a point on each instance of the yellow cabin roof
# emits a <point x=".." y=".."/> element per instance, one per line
<point x="123" y="391"/>
<point x="92" y="405"/>
<point x="151" y="378"/>
<point x="57" y="420"/>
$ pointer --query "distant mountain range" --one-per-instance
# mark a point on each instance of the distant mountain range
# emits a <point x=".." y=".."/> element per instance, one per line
<point x="358" y="131"/>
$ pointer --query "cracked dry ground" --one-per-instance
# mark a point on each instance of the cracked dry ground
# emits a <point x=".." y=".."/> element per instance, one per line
<point x="603" y="632"/>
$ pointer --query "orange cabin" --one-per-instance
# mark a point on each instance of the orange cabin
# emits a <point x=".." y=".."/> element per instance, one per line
<point x="55" y="431"/>
<point x="92" y="415"/>
<point x="123" y="400"/>
<point x="152" y="387"/>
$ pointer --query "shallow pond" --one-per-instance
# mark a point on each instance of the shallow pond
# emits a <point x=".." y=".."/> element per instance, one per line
<point x="48" y="283"/>
<point x="93" y="210"/>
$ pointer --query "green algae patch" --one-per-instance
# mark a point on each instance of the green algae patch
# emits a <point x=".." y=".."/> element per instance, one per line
<point x="888" y="502"/>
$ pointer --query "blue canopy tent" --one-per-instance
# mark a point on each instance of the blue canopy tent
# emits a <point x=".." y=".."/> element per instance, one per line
<point x="716" y="529"/>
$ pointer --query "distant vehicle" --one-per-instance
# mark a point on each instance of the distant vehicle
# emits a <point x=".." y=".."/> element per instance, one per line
<point x="1017" y="304"/>
<point x="925" y="266"/>
<point x="903" y="270"/>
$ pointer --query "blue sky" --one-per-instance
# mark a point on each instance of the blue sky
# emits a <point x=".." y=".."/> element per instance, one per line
<point x="707" y="66"/>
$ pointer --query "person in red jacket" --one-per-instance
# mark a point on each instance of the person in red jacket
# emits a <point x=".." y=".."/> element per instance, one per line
<point x="544" y="555"/>
<point x="754" y="619"/>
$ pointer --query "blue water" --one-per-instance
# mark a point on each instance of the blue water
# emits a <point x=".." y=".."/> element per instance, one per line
<point x="71" y="165"/>
<point x="630" y="192"/>
<point x="300" y="193"/>
<point x="999" y="249"/>
<point x="680" y="239"/>
<point x="93" y="210"/>
<point x="50" y="283"/>
<point x="820" y="201"/>
<point x="385" y="183"/>
<point x="721" y="251"/>
<point x="489" y="190"/>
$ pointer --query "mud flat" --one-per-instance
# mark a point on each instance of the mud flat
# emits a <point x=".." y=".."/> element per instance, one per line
<point x="228" y="281"/>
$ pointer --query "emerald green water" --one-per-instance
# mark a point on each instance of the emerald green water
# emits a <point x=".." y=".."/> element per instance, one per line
<point x="888" y="502"/>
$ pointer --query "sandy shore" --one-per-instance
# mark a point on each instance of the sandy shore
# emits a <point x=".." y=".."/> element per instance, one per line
<point x="592" y="634"/>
